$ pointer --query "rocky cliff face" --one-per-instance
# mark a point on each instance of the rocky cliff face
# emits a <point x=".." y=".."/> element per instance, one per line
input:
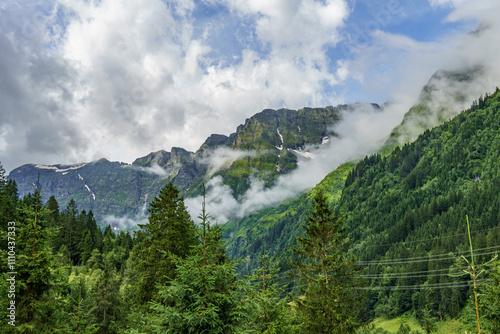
<point x="265" y="146"/>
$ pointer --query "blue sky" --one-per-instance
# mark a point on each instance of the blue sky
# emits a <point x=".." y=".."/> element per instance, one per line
<point x="82" y="80"/>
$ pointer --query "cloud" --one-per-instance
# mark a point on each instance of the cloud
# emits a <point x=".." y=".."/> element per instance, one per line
<point x="155" y="170"/>
<point x="34" y="92"/>
<point x="222" y="158"/>
<point x="454" y="3"/>
<point x="128" y="77"/>
<point x="295" y="24"/>
<point x="397" y="66"/>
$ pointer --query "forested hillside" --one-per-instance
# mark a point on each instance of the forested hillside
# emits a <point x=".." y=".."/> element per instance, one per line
<point x="62" y="274"/>
<point x="406" y="213"/>
<point x="386" y="234"/>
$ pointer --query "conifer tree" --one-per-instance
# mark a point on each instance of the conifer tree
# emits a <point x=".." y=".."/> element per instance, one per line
<point x="80" y="308"/>
<point x="8" y="203"/>
<point x="490" y="299"/>
<point x="330" y="301"/>
<point x="205" y="296"/>
<point x="86" y="247"/>
<point x="104" y="292"/>
<point x="38" y="277"/>
<point x="170" y="229"/>
<point x="272" y="314"/>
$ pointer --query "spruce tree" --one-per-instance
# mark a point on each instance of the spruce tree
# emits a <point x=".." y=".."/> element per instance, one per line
<point x="170" y="229"/>
<point x="330" y="300"/>
<point x="205" y="296"/>
<point x="272" y="314"/>
<point x="104" y="292"/>
<point x="490" y="299"/>
<point x="39" y="279"/>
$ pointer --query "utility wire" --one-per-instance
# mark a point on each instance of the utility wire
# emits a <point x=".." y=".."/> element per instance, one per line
<point x="421" y="259"/>
<point x="427" y="239"/>
<point x="434" y="255"/>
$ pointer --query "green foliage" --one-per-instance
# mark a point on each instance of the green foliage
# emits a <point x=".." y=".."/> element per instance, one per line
<point x="79" y="309"/>
<point x="205" y="296"/>
<point x="330" y="301"/>
<point x="490" y="300"/>
<point x="409" y="205"/>
<point x="170" y="229"/>
<point x="38" y="277"/>
<point x="276" y="229"/>
<point x="272" y="314"/>
<point x="104" y="286"/>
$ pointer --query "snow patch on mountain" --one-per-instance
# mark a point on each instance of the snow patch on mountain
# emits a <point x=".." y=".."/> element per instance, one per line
<point x="58" y="170"/>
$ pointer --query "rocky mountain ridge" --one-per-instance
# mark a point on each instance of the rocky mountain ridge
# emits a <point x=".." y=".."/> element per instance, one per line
<point x="266" y="145"/>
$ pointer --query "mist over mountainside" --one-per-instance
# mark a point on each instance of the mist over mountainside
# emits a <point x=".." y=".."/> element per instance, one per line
<point x="267" y="145"/>
<point x="445" y="95"/>
<point x="409" y="202"/>
<point x="274" y="156"/>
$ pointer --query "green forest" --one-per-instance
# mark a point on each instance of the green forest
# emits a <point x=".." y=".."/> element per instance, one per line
<point x="411" y="233"/>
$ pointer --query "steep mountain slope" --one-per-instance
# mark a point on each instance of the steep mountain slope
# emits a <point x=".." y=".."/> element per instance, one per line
<point x="276" y="138"/>
<point x="274" y="230"/>
<point x="438" y="101"/>
<point x="107" y="188"/>
<point x="406" y="212"/>
<point x="445" y="95"/>
<point x="265" y="146"/>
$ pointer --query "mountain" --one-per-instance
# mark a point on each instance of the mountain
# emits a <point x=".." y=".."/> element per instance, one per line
<point x="445" y="95"/>
<point x="405" y="213"/>
<point x="106" y="188"/>
<point x="265" y="146"/>
<point x="276" y="229"/>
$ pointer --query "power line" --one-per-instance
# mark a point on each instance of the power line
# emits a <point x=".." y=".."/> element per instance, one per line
<point x="410" y="260"/>
<point x="427" y="239"/>
<point x="433" y="255"/>
<point x="383" y="276"/>
<point x="451" y="285"/>
<point x="418" y="272"/>
<point x="420" y="259"/>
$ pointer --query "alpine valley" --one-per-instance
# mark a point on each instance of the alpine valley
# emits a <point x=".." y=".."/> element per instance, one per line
<point x="405" y="200"/>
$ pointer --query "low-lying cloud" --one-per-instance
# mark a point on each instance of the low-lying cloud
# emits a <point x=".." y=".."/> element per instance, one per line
<point x="223" y="157"/>
<point x="155" y="170"/>
<point x="360" y="132"/>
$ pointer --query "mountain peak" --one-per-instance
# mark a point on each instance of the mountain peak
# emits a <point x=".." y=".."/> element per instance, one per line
<point x="159" y="158"/>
